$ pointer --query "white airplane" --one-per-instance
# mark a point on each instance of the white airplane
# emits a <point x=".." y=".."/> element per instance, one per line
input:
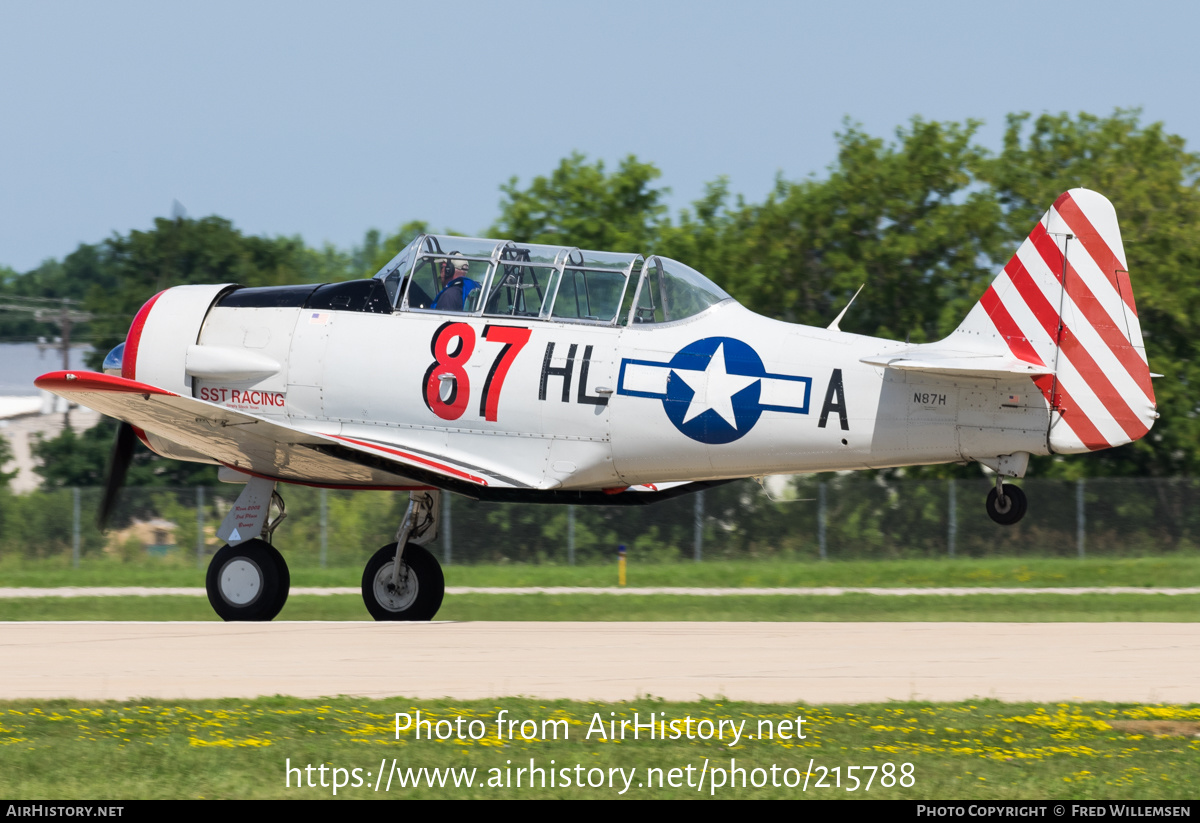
<point x="516" y="372"/>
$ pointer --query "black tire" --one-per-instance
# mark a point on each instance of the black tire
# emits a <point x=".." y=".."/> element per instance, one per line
<point x="421" y="589"/>
<point x="285" y="582"/>
<point x="249" y="581"/>
<point x="1008" y="510"/>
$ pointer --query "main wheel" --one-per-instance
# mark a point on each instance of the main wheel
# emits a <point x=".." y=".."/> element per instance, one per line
<point x="418" y="593"/>
<point x="1008" y="509"/>
<point x="249" y="581"/>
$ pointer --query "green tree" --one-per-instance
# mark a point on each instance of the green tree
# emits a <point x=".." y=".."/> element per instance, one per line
<point x="390" y="247"/>
<point x="705" y="236"/>
<point x="178" y="252"/>
<point x="52" y="280"/>
<point x="905" y="219"/>
<point x="6" y="455"/>
<point x="71" y="459"/>
<point x="580" y="204"/>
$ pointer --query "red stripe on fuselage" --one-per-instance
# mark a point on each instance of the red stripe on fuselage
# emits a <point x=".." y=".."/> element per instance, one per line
<point x="416" y="459"/>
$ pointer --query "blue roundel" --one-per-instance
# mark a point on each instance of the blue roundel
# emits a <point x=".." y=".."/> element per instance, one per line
<point x="713" y="389"/>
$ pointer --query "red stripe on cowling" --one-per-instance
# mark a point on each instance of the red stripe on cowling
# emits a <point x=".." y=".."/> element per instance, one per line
<point x="134" y="339"/>
<point x="1097" y="247"/>
<point x="1093" y="312"/>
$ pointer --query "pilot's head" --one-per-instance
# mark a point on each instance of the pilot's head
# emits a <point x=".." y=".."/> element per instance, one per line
<point x="454" y="268"/>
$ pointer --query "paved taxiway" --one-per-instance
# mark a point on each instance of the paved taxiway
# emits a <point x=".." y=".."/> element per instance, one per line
<point x="770" y="662"/>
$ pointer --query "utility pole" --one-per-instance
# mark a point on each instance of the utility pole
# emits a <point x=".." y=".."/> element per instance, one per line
<point x="64" y="314"/>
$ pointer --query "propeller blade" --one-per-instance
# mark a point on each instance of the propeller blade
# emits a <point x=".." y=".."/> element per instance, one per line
<point x="118" y="465"/>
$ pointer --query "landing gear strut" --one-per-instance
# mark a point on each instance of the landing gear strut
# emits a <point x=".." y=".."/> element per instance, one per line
<point x="403" y="581"/>
<point x="248" y="578"/>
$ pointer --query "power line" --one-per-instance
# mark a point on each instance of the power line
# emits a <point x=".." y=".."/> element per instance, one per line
<point x="64" y="314"/>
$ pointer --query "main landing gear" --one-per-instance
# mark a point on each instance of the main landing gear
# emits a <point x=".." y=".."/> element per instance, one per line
<point x="403" y="581"/>
<point x="249" y="580"/>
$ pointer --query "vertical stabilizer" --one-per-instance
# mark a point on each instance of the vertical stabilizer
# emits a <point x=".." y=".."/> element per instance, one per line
<point x="1064" y="301"/>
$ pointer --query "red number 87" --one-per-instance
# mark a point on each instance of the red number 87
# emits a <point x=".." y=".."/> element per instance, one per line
<point x="447" y="389"/>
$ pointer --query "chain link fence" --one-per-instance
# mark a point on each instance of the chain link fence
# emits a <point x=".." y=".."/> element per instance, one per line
<point x="846" y="517"/>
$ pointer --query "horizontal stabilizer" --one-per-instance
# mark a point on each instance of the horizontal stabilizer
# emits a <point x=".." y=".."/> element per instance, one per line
<point x="934" y="360"/>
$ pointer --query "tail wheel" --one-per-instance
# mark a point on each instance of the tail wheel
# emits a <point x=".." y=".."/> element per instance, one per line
<point x="249" y="581"/>
<point x="1009" y="508"/>
<point x="417" y="592"/>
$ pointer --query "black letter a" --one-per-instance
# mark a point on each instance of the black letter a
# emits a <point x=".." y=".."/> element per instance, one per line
<point x="835" y="400"/>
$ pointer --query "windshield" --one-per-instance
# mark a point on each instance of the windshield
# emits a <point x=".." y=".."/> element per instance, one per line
<point x="669" y="290"/>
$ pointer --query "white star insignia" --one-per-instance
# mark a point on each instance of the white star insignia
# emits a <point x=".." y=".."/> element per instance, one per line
<point x="714" y="388"/>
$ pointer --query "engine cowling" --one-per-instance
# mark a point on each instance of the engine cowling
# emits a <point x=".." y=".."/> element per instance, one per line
<point x="155" y="350"/>
<point x="157" y="344"/>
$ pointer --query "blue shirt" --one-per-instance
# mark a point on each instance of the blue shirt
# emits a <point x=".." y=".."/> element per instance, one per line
<point x="455" y="295"/>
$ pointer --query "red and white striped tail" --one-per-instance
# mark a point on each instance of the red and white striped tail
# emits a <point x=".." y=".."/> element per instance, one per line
<point x="1064" y="302"/>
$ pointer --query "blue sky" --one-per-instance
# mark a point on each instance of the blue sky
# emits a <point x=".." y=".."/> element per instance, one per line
<point x="324" y="119"/>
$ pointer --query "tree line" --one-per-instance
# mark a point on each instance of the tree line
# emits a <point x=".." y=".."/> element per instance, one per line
<point x="925" y="219"/>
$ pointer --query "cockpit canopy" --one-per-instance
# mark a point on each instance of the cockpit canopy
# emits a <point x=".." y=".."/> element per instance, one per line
<point x="506" y="279"/>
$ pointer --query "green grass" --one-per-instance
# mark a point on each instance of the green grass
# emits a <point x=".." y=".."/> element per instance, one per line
<point x="849" y="607"/>
<point x="241" y="749"/>
<point x="1176" y="570"/>
<point x="1024" y="572"/>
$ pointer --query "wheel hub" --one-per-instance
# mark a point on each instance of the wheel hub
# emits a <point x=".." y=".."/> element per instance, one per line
<point x="396" y="598"/>
<point x="241" y="581"/>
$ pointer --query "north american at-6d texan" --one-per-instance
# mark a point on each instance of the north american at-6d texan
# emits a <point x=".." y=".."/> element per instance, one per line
<point x="509" y="371"/>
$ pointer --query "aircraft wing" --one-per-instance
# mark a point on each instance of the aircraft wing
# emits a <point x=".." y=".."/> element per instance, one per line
<point x="268" y="448"/>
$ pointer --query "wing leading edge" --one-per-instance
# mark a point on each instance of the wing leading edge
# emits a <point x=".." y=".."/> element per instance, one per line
<point x="267" y="448"/>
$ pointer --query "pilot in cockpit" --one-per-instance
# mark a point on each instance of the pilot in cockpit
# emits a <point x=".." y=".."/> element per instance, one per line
<point x="456" y="286"/>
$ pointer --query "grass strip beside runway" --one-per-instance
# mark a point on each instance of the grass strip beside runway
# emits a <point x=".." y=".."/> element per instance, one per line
<point x="66" y="749"/>
<point x="579" y="607"/>
<point x="1034" y="572"/>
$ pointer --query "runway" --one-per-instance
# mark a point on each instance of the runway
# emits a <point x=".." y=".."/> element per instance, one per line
<point x="760" y="662"/>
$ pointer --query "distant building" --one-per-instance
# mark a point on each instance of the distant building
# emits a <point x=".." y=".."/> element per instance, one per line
<point x="156" y="536"/>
